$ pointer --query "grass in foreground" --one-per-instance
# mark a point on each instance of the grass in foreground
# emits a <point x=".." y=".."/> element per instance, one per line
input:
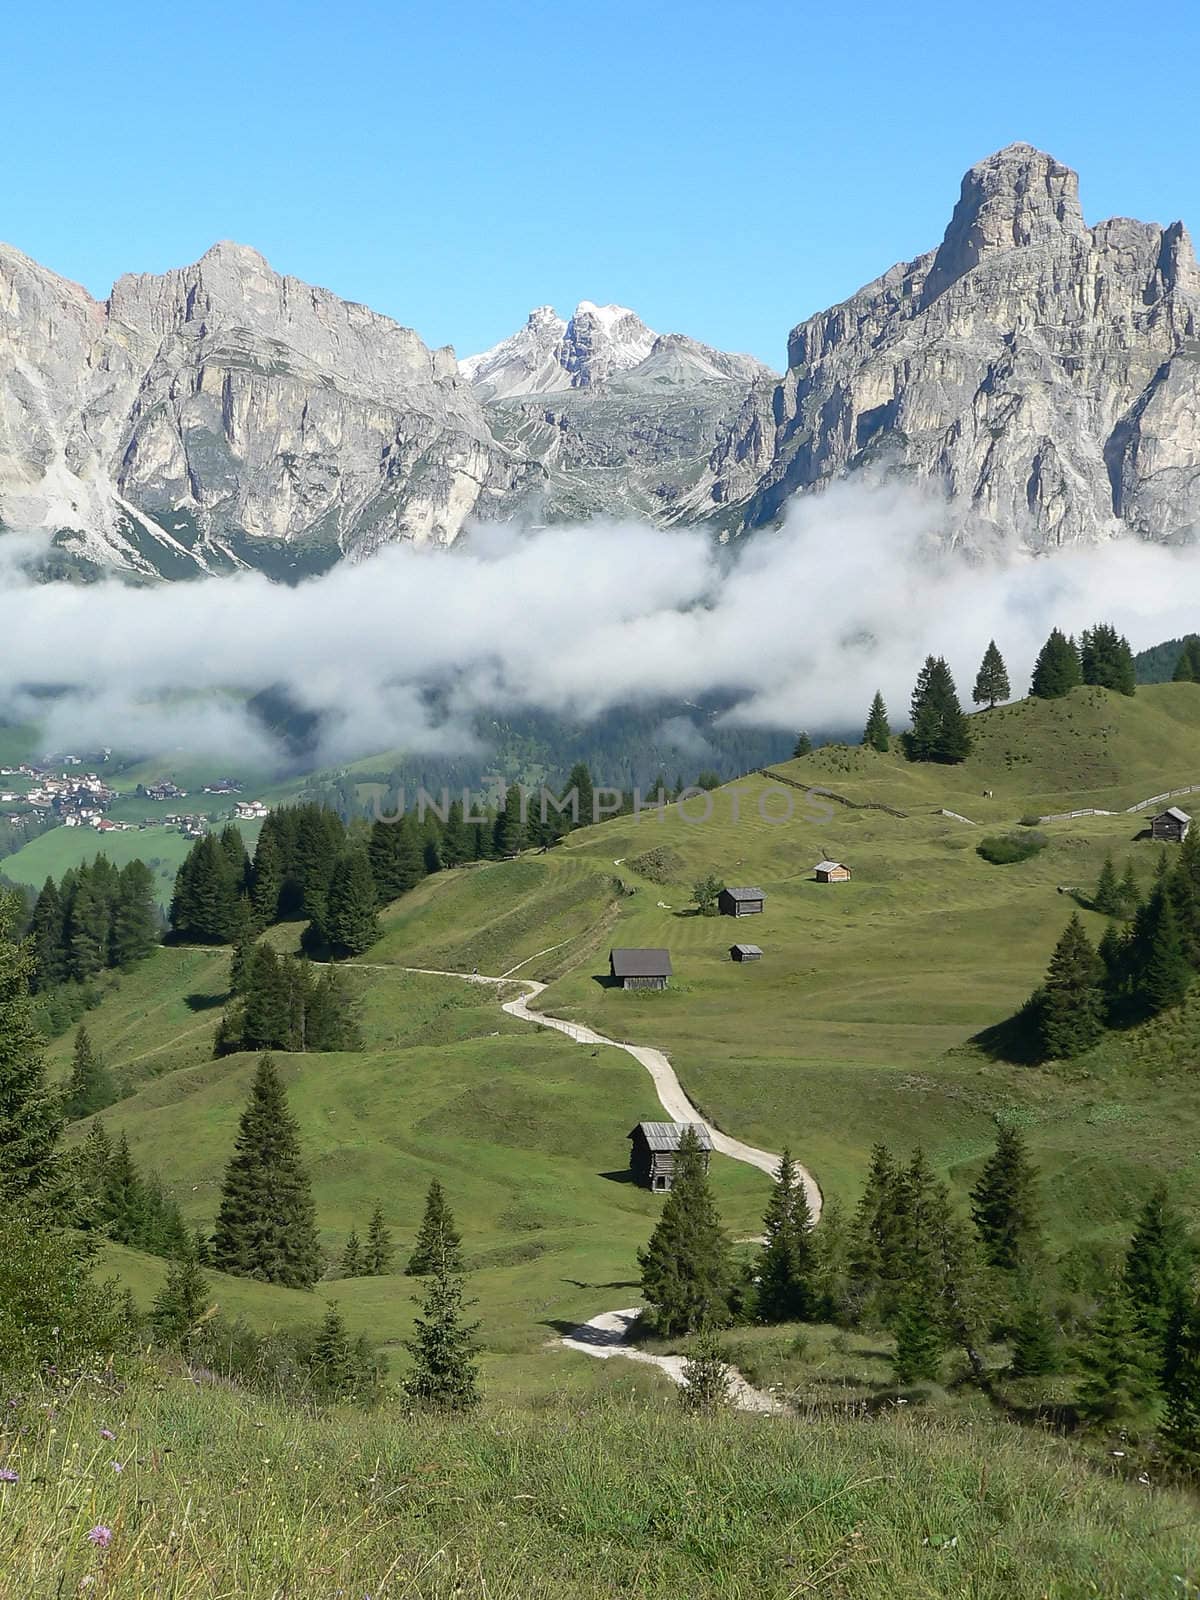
<point x="218" y="1495"/>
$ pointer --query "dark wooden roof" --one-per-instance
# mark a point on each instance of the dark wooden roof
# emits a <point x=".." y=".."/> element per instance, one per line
<point x="641" y="963"/>
<point x="746" y="894"/>
<point x="1174" y="812"/>
<point x="666" y="1135"/>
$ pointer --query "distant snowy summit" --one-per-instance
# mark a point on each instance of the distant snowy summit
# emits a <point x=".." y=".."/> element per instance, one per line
<point x="598" y="345"/>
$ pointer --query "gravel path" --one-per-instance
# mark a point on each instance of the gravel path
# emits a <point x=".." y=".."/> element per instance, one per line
<point x="609" y="1335"/>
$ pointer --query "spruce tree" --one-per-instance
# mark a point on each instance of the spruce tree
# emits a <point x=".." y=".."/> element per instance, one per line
<point x="1106" y="660"/>
<point x="455" y="844"/>
<point x="919" y="1339"/>
<point x="133" y="933"/>
<point x="437" y="1238"/>
<point x="445" y="1373"/>
<point x="267" y="876"/>
<point x="350" y="924"/>
<point x="707" y="1381"/>
<point x="380" y="1251"/>
<point x="266" y="1013"/>
<point x="1187" y="667"/>
<point x="1004" y="1203"/>
<point x="125" y="1211"/>
<point x="876" y="1241"/>
<point x="1034" y="1348"/>
<point x="1161" y="975"/>
<point x="580" y="779"/>
<point x="1107" y="895"/>
<point x="686" y="1273"/>
<point x="802" y="747"/>
<point x="1130" y="893"/>
<point x="1119" y="1380"/>
<point x="1071" y="1002"/>
<point x="332" y="1367"/>
<point x="1057" y="670"/>
<point x="352" y="1257"/>
<point x="395" y="857"/>
<point x="1183" y="887"/>
<point x="47" y="938"/>
<point x="785" y="1263"/>
<point x="991" y="684"/>
<point x="509" y="833"/>
<point x="204" y="903"/>
<point x="182" y="1304"/>
<point x="939" y="726"/>
<point x="30" y="1120"/>
<point x="266" y="1226"/>
<point x="1158" y="1266"/>
<point x="1181" y="1425"/>
<point x="90" y="1087"/>
<point x="877" y="735"/>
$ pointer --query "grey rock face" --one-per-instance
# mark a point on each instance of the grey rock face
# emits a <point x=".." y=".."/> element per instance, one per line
<point x="1043" y="372"/>
<point x="212" y="415"/>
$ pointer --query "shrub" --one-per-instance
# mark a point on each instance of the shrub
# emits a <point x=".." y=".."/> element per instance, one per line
<point x="660" y="865"/>
<point x="1029" y="819"/>
<point x="1002" y="849"/>
<point x="53" y="1315"/>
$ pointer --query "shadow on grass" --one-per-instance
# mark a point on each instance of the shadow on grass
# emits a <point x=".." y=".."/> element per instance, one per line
<point x="622" y="1175"/>
<point x="204" y="1002"/>
<point x="1016" y="1040"/>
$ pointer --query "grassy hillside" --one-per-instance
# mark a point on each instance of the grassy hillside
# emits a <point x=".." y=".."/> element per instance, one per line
<point x="223" y="1496"/>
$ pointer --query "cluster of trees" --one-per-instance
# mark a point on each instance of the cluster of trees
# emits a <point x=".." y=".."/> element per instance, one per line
<point x="98" y="917"/>
<point x="372" y="1258"/>
<point x="1187" y="668"/>
<point x="91" y="1086"/>
<point x="1101" y="657"/>
<point x="1142" y="966"/>
<point x="125" y="1205"/>
<point x="907" y="1263"/>
<point x="285" y="1003"/>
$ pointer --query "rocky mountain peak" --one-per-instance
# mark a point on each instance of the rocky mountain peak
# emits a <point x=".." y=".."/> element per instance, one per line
<point x="1016" y="198"/>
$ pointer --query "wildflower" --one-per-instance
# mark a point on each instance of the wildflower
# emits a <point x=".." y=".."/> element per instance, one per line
<point x="117" y="1467"/>
<point x="107" y="1433"/>
<point x="7" y="1475"/>
<point x="100" y="1536"/>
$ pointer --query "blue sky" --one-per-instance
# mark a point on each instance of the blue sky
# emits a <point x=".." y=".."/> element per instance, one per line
<point x="724" y="169"/>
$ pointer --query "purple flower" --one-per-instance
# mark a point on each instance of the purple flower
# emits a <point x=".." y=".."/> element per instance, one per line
<point x="100" y="1535"/>
<point x="7" y="1475"/>
<point x="107" y="1433"/>
<point x="117" y="1467"/>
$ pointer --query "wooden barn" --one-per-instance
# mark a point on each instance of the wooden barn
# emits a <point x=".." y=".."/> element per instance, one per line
<point x="744" y="952"/>
<point x="640" y="969"/>
<point x="741" y="902"/>
<point x="1171" y="824"/>
<point x="654" y="1147"/>
<point x="832" y="872"/>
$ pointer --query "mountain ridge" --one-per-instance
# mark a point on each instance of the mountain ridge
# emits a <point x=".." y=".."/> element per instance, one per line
<point x="1041" y="373"/>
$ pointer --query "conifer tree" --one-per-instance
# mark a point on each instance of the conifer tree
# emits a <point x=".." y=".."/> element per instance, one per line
<point x="88" y="928"/>
<point x="1004" y="1203"/>
<point x="47" y="938"/>
<point x="919" y="1340"/>
<point x="1162" y="974"/>
<point x="1057" y="670"/>
<point x="510" y="829"/>
<point x="1183" y="887"/>
<point x="350" y="924"/>
<point x="1119" y="1379"/>
<point x="206" y="894"/>
<point x="1130" y="893"/>
<point x="266" y="1015"/>
<point x="876" y="1235"/>
<point x="133" y="933"/>
<point x="90" y="1164"/>
<point x="1107" y="895"/>
<point x="1071" y="1002"/>
<point x="125" y="1209"/>
<point x="939" y="726"/>
<point x="1034" y="1349"/>
<point x="1158" y="1266"/>
<point x="580" y="779"/>
<point x="380" y="1251"/>
<point x="396" y="859"/>
<point x="30" y="1121"/>
<point x="437" y="1238"/>
<point x="802" y="747"/>
<point x="707" y="1381"/>
<point x="877" y="735"/>
<point x="1187" y="668"/>
<point x="991" y="684"/>
<point x="267" y="876"/>
<point x="333" y="1370"/>
<point x="182" y="1304"/>
<point x="266" y="1225"/>
<point x="244" y="936"/>
<point x="352" y="1257"/>
<point x="785" y="1263"/>
<point x="90" y="1087"/>
<point x="455" y="844"/>
<point x="1106" y="660"/>
<point x="686" y="1273"/>
<point x="445" y="1373"/>
<point x="1181" y="1425"/>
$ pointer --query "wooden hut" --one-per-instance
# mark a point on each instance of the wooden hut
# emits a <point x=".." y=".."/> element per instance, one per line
<point x="654" y="1147"/>
<point x="741" y="902"/>
<point x="832" y="872"/>
<point x="744" y="952"/>
<point x="1171" y="824"/>
<point x="640" y="969"/>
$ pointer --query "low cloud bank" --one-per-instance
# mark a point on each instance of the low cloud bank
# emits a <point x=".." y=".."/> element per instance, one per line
<point x="800" y="625"/>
